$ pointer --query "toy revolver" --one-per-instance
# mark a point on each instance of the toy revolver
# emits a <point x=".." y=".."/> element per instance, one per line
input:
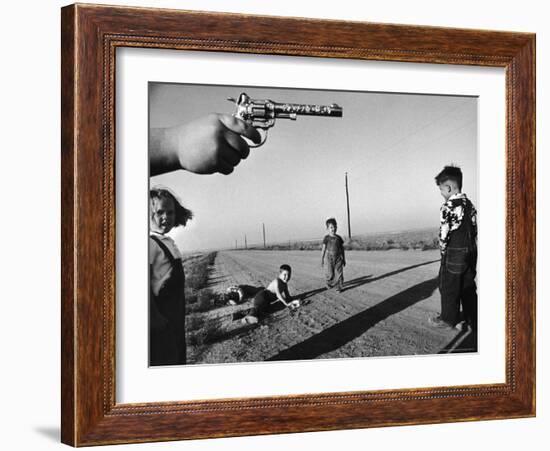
<point x="261" y="114"/>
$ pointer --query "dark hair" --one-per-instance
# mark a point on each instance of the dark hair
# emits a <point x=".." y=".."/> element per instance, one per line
<point x="285" y="267"/>
<point x="182" y="214"/>
<point x="452" y="173"/>
<point x="331" y="221"/>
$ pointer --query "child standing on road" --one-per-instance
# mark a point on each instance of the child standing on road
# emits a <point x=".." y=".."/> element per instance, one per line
<point x="167" y="281"/>
<point x="276" y="291"/>
<point x="333" y="248"/>
<point x="458" y="246"/>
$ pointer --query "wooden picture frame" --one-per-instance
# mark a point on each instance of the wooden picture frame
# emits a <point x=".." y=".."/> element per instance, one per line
<point x="90" y="36"/>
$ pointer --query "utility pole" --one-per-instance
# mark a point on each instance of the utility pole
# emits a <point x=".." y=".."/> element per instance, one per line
<point x="347" y="203"/>
<point x="245" y="243"/>
<point x="263" y="230"/>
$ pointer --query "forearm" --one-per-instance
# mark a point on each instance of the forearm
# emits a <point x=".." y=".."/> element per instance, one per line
<point x="282" y="298"/>
<point x="163" y="151"/>
<point x="288" y="297"/>
<point x="285" y="303"/>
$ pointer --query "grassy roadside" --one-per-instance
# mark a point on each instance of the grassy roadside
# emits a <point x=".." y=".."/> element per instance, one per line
<point x="200" y="327"/>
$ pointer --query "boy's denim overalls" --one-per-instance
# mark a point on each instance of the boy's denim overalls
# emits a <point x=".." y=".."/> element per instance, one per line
<point x="457" y="274"/>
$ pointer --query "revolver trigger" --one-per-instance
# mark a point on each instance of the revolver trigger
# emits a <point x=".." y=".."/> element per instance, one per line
<point x="264" y="138"/>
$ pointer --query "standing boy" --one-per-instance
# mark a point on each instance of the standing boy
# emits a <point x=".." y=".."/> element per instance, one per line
<point x="457" y="242"/>
<point x="333" y="248"/>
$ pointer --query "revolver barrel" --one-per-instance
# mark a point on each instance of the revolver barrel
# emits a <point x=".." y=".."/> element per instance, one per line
<point x="262" y="113"/>
<point x="291" y="110"/>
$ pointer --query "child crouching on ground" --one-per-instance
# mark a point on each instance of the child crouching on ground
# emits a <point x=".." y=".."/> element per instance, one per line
<point x="276" y="291"/>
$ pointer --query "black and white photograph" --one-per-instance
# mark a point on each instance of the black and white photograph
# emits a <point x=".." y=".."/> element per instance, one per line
<point x="275" y="225"/>
<point x="296" y="224"/>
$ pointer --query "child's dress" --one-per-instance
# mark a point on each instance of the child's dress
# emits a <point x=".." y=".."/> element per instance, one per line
<point x="334" y="267"/>
<point x="166" y="304"/>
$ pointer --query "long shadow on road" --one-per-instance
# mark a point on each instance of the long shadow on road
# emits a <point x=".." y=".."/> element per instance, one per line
<point x="359" y="281"/>
<point x="342" y="333"/>
<point x="308" y="294"/>
<point x="354" y="283"/>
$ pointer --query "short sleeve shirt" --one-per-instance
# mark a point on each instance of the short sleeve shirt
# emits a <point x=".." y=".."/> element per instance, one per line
<point x="451" y="217"/>
<point x="334" y="245"/>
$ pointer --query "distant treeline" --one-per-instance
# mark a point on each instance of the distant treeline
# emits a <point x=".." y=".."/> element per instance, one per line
<point x="424" y="240"/>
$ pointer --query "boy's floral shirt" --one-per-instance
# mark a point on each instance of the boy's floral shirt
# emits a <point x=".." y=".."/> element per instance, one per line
<point x="451" y="217"/>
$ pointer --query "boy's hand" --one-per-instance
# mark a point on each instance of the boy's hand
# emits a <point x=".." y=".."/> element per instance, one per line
<point x="213" y="143"/>
<point x="294" y="304"/>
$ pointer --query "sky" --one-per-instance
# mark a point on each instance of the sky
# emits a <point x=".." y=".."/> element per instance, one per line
<point x="391" y="145"/>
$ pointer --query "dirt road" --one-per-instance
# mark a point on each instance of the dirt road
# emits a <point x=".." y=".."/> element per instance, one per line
<point x="383" y="310"/>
